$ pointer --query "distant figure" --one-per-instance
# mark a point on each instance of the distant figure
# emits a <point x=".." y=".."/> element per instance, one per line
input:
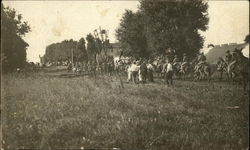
<point x="18" y="70"/>
<point x="69" y="67"/>
<point x="110" y="67"/>
<point x="228" y="57"/>
<point x="134" y="71"/>
<point x="201" y="61"/>
<point x="170" y="54"/>
<point x="168" y="69"/>
<point x="143" y="72"/>
<point x="221" y="67"/>
<point x="234" y="61"/>
<point x="176" y="60"/>
<point x="184" y="60"/>
<point x="150" y="70"/>
<point x="129" y="71"/>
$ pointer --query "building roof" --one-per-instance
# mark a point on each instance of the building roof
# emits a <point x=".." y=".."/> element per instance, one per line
<point x="220" y="51"/>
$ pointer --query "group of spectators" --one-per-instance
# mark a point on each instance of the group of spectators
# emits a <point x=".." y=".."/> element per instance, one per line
<point x="140" y="71"/>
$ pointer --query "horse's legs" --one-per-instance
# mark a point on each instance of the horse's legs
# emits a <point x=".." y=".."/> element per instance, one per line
<point x="221" y="74"/>
<point x="244" y="81"/>
<point x="227" y="76"/>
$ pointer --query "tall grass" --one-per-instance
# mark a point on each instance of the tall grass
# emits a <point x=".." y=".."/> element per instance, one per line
<point x="43" y="111"/>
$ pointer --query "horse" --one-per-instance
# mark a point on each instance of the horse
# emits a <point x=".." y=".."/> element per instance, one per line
<point x="186" y="69"/>
<point x="158" y="68"/>
<point x="241" y="68"/>
<point x="222" y="68"/>
<point x="177" y="69"/>
<point x="205" y="71"/>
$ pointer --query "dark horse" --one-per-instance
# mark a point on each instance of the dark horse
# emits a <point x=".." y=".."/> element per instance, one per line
<point x="222" y="68"/>
<point x="241" y="68"/>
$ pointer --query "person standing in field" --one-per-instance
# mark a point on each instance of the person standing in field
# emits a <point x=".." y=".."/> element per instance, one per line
<point x="150" y="70"/>
<point x="168" y="69"/>
<point x="143" y="72"/>
<point x="134" y="71"/>
<point x="129" y="71"/>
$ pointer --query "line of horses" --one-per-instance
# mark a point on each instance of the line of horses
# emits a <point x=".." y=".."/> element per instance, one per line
<point x="182" y="70"/>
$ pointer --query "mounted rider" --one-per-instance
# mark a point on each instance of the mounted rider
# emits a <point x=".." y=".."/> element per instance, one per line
<point x="220" y="64"/>
<point x="228" y="57"/>
<point x="184" y="60"/>
<point x="176" y="63"/>
<point x="150" y="68"/>
<point x="170" y="53"/>
<point x="234" y="59"/>
<point x="176" y="60"/>
<point x="143" y="71"/>
<point x="201" y="61"/>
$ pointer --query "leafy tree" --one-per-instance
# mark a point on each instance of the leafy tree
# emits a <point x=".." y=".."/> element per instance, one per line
<point x="92" y="48"/>
<point x="61" y="51"/>
<point x="166" y="24"/>
<point x="81" y="52"/>
<point x="176" y="25"/>
<point x="131" y="35"/>
<point x="13" y="47"/>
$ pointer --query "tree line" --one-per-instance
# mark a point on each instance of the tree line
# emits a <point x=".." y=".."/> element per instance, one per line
<point x="161" y="25"/>
<point x="13" y="47"/>
<point x="91" y="51"/>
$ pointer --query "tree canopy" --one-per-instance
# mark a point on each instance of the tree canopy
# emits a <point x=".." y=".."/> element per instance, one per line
<point x="61" y="51"/>
<point x="161" y="25"/>
<point x="13" y="47"/>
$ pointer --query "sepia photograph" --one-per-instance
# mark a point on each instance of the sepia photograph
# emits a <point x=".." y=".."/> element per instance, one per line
<point x="125" y="74"/>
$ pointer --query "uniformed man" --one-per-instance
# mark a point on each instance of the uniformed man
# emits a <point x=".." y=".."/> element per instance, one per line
<point x="228" y="57"/>
<point x="170" y="54"/>
<point x="143" y="72"/>
<point x="168" y="72"/>
<point x="234" y="59"/>
<point x="201" y="60"/>
<point x="150" y="69"/>
<point x="184" y="61"/>
<point x="176" y="59"/>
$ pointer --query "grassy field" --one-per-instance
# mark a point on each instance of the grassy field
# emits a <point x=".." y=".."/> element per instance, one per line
<point x="54" y="110"/>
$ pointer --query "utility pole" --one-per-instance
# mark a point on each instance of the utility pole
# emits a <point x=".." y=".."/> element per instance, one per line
<point x="72" y="57"/>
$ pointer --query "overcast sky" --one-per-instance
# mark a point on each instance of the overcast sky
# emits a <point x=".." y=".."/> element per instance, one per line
<point x="55" y="21"/>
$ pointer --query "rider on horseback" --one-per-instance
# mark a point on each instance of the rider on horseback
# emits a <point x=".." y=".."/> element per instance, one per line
<point x="184" y="60"/>
<point x="228" y="57"/>
<point x="234" y="60"/>
<point x="170" y="54"/>
<point x="176" y="60"/>
<point x="201" y="61"/>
